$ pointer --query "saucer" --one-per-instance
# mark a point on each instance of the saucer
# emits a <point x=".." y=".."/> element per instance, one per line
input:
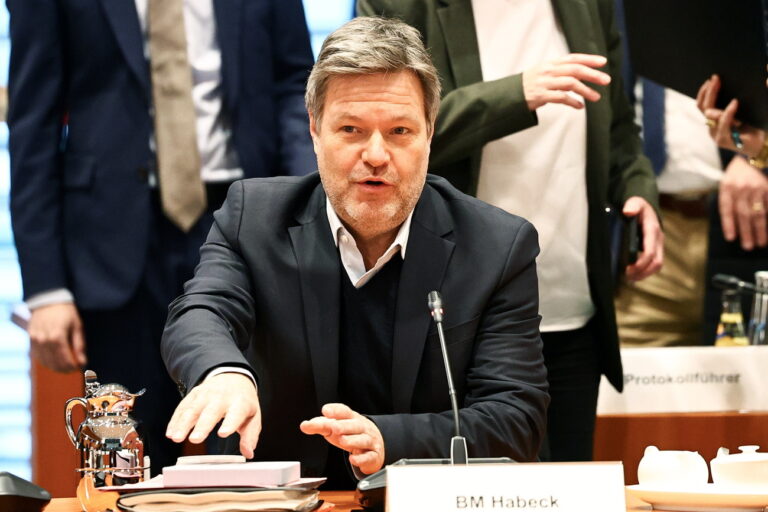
<point x="705" y="498"/>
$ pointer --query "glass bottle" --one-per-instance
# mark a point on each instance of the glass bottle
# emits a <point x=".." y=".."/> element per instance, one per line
<point x="730" y="330"/>
<point x="757" y="323"/>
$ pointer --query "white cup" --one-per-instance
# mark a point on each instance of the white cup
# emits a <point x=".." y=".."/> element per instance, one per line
<point x="672" y="469"/>
<point x="747" y="470"/>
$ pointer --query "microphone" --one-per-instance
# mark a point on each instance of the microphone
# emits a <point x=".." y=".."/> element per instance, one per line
<point x="732" y="282"/>
<point x="435" y="305"/>
<point x="371" y="490"/>
<point x="458" y="443"/>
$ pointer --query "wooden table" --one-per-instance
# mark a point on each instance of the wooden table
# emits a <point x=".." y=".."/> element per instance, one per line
<point x="344" y="501"/>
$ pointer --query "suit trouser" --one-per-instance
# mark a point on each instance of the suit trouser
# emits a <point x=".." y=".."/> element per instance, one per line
<point x="666" y="308"/>
<point x="573" y="372"/>
<point x="123" y="345"/>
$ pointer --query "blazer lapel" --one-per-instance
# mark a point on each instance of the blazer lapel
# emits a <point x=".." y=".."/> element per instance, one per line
<point x="229" y="15"/>
<point x="458" y="29"/>
<point x="579" y="25"/>
<point x="319" y="274"/>
<point x="124" y="21"/>
<point x="585" y="34"/>
<point x="426" y="260"/>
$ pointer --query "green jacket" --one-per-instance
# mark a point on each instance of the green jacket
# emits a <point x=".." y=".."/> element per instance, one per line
<point x="473" y="113"/>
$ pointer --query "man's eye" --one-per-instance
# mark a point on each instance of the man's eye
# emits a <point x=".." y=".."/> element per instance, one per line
<point x="400" y="130"/>
<point x="348" y="129"/>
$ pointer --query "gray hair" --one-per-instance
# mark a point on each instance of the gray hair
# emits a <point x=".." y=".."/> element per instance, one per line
<point x="367" y="45"/>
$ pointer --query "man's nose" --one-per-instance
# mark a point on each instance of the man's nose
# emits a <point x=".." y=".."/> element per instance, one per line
<point x="375" y="152"/>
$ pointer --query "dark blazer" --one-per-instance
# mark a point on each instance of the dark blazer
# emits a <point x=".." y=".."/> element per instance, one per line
<point x="474" y="113"/>
<point x="266" y="297"/>
<point x="80" y="127"/>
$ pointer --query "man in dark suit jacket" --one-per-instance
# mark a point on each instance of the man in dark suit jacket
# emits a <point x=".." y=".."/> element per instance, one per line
<point x="92" y="240"/>
<point x="317" y="288"/>
<point x="618" y="178"/>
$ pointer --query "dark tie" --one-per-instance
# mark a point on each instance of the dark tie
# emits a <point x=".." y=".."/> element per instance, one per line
<point x="654" y="146"/>
<point x="182" y="192"/>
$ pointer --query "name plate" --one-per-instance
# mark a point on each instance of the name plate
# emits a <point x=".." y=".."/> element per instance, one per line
<point x="689" y="379"/>
<point x="565" y="487"/>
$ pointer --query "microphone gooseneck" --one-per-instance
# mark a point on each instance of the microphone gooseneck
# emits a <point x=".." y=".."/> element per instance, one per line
<point x="458" y="443"/>
<point x="734" y="283"/>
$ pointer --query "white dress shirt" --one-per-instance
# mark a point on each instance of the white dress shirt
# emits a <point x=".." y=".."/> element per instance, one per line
<point x="214" y="139"/>
<point x="693" y="163"/>
<point x="539" y="173"/>
<point x="352" y="259"/>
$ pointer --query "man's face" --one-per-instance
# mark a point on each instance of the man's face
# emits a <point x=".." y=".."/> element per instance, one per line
<point x="372" y="149"/>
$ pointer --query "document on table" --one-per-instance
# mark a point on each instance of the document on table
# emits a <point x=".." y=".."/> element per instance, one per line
<point x="214" y="500"/>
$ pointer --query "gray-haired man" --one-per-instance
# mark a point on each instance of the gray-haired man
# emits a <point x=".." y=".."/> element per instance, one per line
<point x="316" y="287"/>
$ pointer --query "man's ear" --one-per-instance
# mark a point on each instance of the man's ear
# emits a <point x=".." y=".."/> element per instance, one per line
<point x="431" y="134"/>
<point x="313" y="131"/>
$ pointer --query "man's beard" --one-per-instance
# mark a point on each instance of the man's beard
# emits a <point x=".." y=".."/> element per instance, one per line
<point x="369" y="220"/>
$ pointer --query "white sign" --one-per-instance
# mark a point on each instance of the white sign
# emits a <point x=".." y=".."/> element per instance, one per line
<point x="689" y="379"/>
<point x="563" y="487"/>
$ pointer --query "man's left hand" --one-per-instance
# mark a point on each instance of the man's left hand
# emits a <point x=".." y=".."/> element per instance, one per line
<point x="742" y="202"/>
<point x="650" y="260"/>
<point x="350" y="431"/>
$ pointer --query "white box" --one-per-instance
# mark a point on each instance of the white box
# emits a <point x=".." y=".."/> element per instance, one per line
<point x="246" y="474"/>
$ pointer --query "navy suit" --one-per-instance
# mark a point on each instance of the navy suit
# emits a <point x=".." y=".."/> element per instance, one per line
<point x="84" y="216"/>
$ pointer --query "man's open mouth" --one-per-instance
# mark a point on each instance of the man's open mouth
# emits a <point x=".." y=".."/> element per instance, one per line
<point x="375" y="182"/>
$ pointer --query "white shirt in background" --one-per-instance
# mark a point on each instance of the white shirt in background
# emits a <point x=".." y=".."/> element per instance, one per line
<point x="218" y="160"/>
<point x="693" y="160"/>
<point x="539" y="173"/>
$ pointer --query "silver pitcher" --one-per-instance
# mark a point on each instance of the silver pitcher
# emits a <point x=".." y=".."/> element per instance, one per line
<point x="111" y="449"/>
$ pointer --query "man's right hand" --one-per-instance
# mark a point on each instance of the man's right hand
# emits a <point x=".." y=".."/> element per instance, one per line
<point x="56" y="337"/>
<point x="228" y="396"/>
<point x="722" y="122"/>
<point x="556" y="81"/>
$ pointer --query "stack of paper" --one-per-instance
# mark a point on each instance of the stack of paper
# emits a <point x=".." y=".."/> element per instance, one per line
<point x="220" y="483"/>
<point x="220" y="500"/>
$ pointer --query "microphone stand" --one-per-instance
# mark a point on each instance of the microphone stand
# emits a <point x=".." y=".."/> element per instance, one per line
<point x="732" y="282"/>
<point x="458" y="442"/>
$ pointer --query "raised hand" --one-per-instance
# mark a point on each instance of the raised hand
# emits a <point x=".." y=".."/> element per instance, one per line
<point x="722" y="123"/>
<point x="558" y="80"/>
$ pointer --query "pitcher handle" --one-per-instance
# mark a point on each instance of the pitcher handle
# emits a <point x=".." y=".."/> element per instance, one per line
<point x="71" y="403"/>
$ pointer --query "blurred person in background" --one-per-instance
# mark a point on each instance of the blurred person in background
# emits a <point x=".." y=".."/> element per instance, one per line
<point x="128" y="121"/>
<point x="667" y="309"/>
<point x="534" y="120"/>
<point x="739" y="231"/>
